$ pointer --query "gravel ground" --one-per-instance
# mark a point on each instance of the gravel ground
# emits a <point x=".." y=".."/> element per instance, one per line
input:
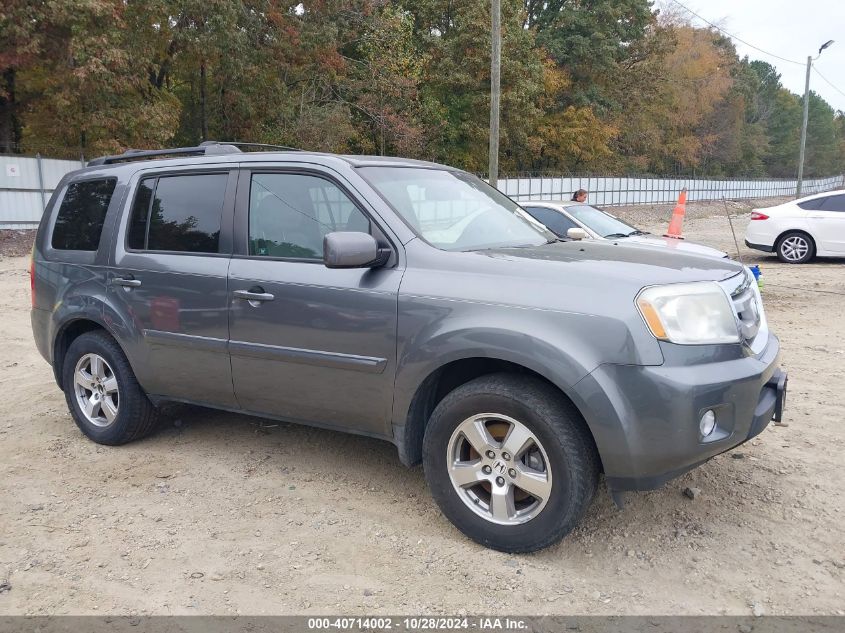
<point x="15" y="243"/>
<point x="221" y="513"/>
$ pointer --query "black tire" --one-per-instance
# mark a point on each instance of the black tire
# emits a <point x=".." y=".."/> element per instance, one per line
<point x="136" y="415"/>
<point x="555" y="423"/>
<point x="791" y="239"/>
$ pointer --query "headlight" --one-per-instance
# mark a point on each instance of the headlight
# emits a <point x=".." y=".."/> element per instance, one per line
<point x="689" y="314"/>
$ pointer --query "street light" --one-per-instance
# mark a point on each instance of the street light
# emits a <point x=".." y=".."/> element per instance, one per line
<point x="810" y="61"/>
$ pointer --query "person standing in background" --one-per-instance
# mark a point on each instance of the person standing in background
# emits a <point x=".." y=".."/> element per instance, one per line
<point x="579" y="196"/>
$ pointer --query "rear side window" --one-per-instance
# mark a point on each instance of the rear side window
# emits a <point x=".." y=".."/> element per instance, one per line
<point x="178" y="213"/>
<point x="79" y="222"/>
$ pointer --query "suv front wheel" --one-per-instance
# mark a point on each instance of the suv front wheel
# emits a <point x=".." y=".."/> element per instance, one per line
<point x="104" y="398"/>
<point x="510" y="462"/>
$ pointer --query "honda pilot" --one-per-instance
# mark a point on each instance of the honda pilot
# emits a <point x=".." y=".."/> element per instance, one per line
<point x="405" y="301"/>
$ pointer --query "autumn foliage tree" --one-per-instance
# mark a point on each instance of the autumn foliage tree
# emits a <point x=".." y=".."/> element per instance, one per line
<point x="587" y="85"/>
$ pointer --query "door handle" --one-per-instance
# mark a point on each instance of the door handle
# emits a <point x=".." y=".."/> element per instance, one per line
<point x="250" y="295"/>
<point x="126" y="282"/>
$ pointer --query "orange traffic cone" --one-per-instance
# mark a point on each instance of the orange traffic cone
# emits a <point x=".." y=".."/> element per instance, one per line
<point x="677" y="222"/>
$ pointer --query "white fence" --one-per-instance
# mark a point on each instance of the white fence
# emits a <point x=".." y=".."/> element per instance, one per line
<point x="26" y="184"/>
<point x="632" y="190"/>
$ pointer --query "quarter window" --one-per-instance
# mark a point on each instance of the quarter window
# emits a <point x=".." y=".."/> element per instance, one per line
<point x="178" y="213"/>
<point x="82" y="214"/>
<point x="289" y="214"/>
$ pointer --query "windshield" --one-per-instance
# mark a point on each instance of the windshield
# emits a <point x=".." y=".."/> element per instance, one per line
<point x="455" y="211"/>
<point x="600" y="222"/>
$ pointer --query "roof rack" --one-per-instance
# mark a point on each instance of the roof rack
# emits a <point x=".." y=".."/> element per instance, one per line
<point x="207" y="148"/>
<point x="141" y="154"/>
<point x="239" y="144"/>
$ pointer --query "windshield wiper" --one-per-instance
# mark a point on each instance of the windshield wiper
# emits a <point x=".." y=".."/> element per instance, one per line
<point x="637" y="232"/>
<point x="614" y="236"/>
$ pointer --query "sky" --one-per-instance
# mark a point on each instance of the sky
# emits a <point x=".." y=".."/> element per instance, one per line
<point x="792" y="29"/>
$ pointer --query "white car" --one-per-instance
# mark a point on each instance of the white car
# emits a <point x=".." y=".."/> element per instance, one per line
<point x="800" y="229"/>
<point x="559" y="217"/>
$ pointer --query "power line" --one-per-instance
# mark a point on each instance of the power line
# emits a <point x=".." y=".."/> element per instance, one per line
<point x="828" y="82"/>
<point x="721" y="30"/>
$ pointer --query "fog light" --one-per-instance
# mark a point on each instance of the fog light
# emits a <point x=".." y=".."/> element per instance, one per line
<point x="708" y="423"/>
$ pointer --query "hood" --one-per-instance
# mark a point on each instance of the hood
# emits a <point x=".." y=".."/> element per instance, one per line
<point x="681" y="246"/>
<point x="595" y="261"/>
<point x="594" y="279"/>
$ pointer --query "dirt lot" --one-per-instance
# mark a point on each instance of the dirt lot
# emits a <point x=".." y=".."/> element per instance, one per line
<point x="219" y="513"/>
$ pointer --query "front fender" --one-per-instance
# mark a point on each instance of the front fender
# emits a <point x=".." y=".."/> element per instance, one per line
<point x="423" y="358"/>
<point x="562" y="347"/>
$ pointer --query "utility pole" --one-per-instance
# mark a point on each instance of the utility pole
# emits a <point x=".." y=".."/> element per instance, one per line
<point x="804" y="127"/>
<point x="810" y="61"/>
<point x="495" y="88"/>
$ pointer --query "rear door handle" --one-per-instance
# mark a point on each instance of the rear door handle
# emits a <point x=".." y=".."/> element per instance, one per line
<point x="126" y="282"/>
<point x="250" y="295"/>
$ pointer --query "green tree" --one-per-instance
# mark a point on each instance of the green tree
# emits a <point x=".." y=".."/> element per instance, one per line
<point x="594" y="41"/>
<point x="822" y="156"/>
<point x="454" y="36"/>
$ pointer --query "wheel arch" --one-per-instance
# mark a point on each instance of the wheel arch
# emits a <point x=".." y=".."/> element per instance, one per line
<point x="67" y="333"/>
<point x="447" y="376"/>
<point x="786" y="232"/>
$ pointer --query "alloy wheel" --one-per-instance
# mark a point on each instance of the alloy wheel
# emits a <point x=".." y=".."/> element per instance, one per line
<point x="499" y="469"/>
<point x="96" y="390"/>
<point x="794" y="248"/>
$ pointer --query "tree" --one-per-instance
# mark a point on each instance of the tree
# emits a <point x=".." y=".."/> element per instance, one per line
<point x="784" y="131"/>
<point x="822" y="154"/>
<point x="83" y="91"/>
<point x="454" y="37"/>
<point x="382" y="85"/>
<point x="667" y="129"/>
<point x="21" y="46"/>
<point x="593" y="40"/>
<point x="601" y="85"/>
<point x="574" y="139"/>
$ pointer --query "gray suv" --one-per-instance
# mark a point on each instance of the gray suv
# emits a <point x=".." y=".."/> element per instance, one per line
<point x="405" y="301"/>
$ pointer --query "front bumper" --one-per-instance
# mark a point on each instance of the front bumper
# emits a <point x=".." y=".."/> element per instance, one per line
<point x="646" y="419"/>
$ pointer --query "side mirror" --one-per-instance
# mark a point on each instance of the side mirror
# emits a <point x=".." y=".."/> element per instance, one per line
<point x="349" y="249"/>
<point x="576" y="234"/>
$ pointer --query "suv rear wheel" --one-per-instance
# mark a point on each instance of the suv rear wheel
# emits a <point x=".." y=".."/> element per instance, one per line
<point x="510" y="462"/>
<point x="104" y="398"/>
